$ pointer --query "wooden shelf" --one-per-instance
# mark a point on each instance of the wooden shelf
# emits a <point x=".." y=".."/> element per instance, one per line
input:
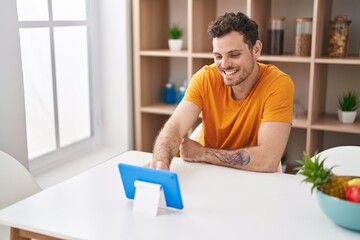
<point x="159" y="108"/>
<point x="316" y="77"/>
<point x="285" y="58"/>
<point x="300" y="123"/>
<point x="164" y="53"/>
<point x="348" y="60"/>
<point x="332" y="123"/>
<point x="203" y="55"/>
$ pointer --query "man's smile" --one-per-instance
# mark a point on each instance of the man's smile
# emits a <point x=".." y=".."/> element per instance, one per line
<point x="229" y="72"/>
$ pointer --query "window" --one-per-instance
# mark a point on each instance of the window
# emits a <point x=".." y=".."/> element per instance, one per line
<point x="55" y="50"/>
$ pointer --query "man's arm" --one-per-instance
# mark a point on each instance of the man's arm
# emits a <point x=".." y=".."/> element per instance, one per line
<point x="169" y="139"/>
<point x="265" y="157"/>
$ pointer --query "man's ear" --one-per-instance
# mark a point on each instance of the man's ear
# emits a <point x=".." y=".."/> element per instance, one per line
<point x="257" y="49"/>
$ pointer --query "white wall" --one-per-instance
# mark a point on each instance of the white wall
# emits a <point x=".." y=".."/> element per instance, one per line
<point x="12" y="106"/>
<point x="115" y="47"/>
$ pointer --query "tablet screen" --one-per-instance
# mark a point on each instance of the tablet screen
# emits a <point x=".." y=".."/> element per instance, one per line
<point x="167" y="179"/>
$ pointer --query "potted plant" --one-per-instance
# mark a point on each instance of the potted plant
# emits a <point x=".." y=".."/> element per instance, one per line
<point x="348" y="102"/>
<point x="175" y="33"/>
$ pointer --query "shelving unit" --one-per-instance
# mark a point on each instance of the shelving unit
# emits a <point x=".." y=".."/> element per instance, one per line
<point x="318" y="79"/>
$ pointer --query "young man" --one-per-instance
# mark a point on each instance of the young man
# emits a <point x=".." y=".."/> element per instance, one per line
<point x="246" y="106"/>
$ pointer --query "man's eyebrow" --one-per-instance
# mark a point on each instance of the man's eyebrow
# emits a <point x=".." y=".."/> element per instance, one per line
<point x="235" y="51"/>
<point x="230" y="52"/>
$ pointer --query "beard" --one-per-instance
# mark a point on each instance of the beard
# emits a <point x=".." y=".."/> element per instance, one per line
<point x="235" y="76"/>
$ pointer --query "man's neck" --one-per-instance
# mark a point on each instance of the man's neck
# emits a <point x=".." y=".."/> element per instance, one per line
<point x="240" y="91"/>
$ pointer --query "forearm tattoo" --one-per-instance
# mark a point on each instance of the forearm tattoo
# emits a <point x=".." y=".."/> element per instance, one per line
<point x="240" y="158"/>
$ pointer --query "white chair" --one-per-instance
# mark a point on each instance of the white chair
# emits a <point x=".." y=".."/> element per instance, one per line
<point x="16" y="183"/>
<point x="346" y="160"/>
<point x="196" y="134"/>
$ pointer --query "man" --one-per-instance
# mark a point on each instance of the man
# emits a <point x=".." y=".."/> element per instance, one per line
<point x="246" y="106"/>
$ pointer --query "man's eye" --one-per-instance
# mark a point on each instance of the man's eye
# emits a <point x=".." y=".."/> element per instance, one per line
<point x="235" y="54"/>
<point x="217" y="57"/>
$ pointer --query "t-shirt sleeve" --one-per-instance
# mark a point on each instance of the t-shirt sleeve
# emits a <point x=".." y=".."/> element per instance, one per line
<point x="279" y="103"/>
<point x="194" y="90"/>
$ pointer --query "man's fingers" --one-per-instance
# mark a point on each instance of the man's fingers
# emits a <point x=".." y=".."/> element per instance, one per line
<point x="157" y="165"/>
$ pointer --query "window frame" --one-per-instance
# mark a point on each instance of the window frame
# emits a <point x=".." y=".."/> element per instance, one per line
<point x="66" y="153"/>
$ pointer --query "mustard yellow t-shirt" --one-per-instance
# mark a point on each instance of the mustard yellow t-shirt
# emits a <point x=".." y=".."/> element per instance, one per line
<point x="230" y="124"/>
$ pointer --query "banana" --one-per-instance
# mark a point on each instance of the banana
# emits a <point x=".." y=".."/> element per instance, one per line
<point x="354" y="181"/>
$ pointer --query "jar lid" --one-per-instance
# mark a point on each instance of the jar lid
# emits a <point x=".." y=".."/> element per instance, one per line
<point x="341" y="19"/>
<point x="304" y="19"/>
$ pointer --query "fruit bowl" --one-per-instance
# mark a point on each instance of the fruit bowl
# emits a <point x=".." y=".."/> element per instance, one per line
<point x="342" y="212"/>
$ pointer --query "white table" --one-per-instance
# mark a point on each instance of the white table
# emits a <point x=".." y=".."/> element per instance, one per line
<point x="219" y="203"/>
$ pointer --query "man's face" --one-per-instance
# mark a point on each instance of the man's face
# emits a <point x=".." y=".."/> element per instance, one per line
<point x="233" y="58"/>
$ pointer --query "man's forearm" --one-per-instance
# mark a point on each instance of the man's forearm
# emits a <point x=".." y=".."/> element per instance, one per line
<point x="249" y="159"/>
<point x="257" y="158"/>
<point x="166" y="145"/>
<point x="264" y="157"/>
<point x="232" y="158"/>
<point x="194" y="152"/>
<point x="238" y="158"/>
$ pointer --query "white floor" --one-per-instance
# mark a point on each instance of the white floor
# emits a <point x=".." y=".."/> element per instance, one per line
<point x="75" y="167"/>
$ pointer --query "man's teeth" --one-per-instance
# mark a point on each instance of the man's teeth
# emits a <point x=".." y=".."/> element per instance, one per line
<point x="229" y="72"/>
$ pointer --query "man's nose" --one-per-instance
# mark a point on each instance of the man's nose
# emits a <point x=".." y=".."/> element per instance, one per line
<point x="225" y="62"/>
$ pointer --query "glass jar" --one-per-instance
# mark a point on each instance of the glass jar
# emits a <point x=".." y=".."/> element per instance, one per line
<point x="339" y="36"/>
<point x="302" y="38"/>
<point x="276" y="35"/>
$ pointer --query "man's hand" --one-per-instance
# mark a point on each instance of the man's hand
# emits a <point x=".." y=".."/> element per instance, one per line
<point x="191" y="150"/>
<point x="158" y="165"/>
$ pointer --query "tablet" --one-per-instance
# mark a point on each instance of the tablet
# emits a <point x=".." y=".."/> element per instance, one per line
<point x="167" y="179"/>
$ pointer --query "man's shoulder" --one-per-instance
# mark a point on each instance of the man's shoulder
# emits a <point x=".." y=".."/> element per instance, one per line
<point x="271" y="77"/>
<point x="208" y="70"/>
<point x="208" y="74"/>
<point x="271" y="70"/>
